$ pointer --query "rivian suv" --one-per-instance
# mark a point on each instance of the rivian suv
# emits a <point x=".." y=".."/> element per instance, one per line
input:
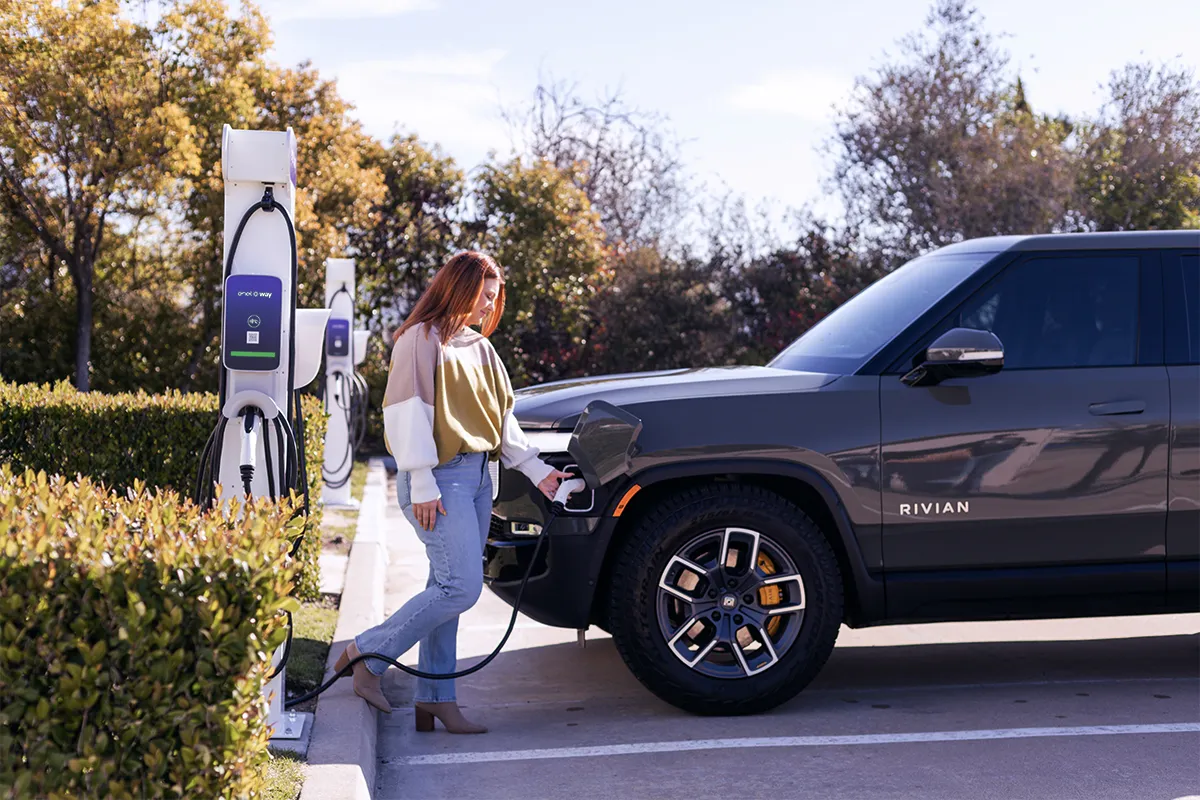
<point x="1004" y="428"/>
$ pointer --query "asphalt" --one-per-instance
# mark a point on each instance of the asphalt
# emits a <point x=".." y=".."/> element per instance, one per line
<point x="1094" y="708"/>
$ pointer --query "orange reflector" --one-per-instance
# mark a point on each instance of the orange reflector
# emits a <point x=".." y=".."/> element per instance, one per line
<point x="625" y="500"/>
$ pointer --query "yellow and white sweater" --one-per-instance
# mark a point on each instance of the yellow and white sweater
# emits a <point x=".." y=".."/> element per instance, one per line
<point x="442" y="400"/>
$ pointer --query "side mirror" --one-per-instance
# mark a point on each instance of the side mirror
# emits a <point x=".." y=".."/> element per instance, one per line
<point x="957" y="353"/>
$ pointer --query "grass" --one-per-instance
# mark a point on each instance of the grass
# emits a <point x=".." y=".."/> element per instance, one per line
<point x="285" y="776"/>
<point x="340" y="525"/>
<point x="358" y="479"/>
<point x="313" y="633"/>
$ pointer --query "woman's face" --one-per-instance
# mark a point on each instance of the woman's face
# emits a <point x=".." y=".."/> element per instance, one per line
<point x="486" y="301"/>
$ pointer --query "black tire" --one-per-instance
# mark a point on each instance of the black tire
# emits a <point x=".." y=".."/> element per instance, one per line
<point x="634" y="599"/>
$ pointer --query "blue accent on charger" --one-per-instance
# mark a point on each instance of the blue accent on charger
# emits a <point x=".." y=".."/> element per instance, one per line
<point x="337" y="337"/>
<point x="252" y="325"/>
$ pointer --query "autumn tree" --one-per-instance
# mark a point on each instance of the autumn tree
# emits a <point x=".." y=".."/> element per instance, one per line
<point x="89" y="133"/>
<point x="337" y="186"/>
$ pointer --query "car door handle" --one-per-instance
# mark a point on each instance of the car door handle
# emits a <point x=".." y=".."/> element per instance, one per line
<point x="1117" y="407"/>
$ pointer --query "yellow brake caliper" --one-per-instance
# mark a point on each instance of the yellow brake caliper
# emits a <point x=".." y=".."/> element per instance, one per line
<point x="769" y="595"/>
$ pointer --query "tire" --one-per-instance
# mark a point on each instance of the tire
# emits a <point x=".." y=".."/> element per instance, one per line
<point x="645" y="615"/>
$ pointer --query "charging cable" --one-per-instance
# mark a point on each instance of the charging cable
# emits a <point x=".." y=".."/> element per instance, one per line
<point x="557" y="507"/>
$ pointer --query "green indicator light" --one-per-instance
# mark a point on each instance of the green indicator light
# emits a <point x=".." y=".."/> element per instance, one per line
<point x="250" y="354"/>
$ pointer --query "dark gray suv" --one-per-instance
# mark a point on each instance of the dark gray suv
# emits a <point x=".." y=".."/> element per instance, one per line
<point x="1004" y="428"/>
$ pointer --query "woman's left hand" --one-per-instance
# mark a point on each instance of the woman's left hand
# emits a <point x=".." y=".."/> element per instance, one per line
<point x="549" y="484"/>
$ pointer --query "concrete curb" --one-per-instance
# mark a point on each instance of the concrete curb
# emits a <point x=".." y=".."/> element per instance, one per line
<point x="342" y="754"/>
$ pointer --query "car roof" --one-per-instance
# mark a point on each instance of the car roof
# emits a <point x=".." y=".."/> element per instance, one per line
<point x="1113" y="240"/>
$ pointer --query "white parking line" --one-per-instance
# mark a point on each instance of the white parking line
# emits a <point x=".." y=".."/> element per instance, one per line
<point x="788" y="741"/>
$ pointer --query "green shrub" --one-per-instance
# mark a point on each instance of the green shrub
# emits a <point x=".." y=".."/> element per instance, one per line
<point x="308" y="582"/>
<point x="118" y="439"/>
<point x="135" y="639"/>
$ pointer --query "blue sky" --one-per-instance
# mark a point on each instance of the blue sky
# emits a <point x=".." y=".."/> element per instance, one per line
<point x="747" y="86"/>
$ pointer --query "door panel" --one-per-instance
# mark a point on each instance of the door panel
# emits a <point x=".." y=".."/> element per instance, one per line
<point x="1015" y="469"/>
<point x="1059" y="461"/>
<point x="1182" y="280"/>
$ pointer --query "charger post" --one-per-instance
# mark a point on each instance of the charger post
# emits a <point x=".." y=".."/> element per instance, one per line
<point x="269" y="348"/>
<point x="345" y="390"/>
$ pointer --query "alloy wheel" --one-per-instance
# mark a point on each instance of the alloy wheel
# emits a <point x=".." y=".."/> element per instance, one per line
<point x="730" y="603"/>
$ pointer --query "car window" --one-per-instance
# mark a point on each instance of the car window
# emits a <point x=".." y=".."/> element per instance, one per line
<point x="860" y="327"/>
<point x="1060" y="311"/>
<point x="1183" y="309"/>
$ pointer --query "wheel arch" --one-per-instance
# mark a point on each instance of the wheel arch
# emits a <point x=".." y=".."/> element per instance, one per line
<point x="796" y="483"/>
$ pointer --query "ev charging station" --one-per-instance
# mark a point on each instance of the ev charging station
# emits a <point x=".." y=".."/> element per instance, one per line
<point x="345" y="390"/>
<point x="269" y="348"/>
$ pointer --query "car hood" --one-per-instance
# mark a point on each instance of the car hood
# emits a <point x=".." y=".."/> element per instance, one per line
<point x="559" y="403"/>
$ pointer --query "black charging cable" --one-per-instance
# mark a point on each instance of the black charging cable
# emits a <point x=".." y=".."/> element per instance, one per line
<point x="350" y="399"/>
<point x="557" y="507"/>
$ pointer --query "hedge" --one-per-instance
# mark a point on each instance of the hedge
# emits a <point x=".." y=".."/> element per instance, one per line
<point x="135" y="641"/>
<point x="118" y="439"/>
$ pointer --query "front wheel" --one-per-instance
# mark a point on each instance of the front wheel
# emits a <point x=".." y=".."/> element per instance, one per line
<point x="727" y="599"/>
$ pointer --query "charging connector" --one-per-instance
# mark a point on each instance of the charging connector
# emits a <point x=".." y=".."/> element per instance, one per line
<point x="250" y="426"/>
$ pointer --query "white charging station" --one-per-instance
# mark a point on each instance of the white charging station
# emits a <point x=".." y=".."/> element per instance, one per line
<point x="345" y="390"/>
<point x="265" y="353"/>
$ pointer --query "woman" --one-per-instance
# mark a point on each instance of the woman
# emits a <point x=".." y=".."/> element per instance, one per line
<point x="446" y="411"/>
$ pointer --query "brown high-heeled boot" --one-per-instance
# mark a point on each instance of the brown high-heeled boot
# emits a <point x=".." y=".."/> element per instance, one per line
<point x="449" y="713"/>
<point x="366" y="683"/>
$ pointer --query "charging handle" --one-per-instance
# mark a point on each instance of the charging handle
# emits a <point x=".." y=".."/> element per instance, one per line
<point x="567" y="488"/>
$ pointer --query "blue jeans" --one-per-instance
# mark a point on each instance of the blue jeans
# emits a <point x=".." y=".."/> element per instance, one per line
<point x="455" y="551"/>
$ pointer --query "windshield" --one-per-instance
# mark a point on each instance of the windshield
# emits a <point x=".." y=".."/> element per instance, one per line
<point x="845" y="339"/>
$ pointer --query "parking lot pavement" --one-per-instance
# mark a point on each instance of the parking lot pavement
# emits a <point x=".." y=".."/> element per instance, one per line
<point x="1090" y="708"/>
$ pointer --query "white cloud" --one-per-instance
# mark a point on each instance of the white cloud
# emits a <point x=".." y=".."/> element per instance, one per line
<point x="806" y="94"/>
<point x="286" y="10"/>
<point x="449" y="100"/>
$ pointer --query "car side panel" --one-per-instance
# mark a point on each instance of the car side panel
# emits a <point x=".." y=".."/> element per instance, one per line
<point x="1183" y="514"/>
<point x="834" y="432"/>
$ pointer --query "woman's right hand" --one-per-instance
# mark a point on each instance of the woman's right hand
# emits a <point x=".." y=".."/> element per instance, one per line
<point x="426" y="513"/>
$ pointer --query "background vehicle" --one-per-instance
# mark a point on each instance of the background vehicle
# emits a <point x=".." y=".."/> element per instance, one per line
<point x="1004" y="428"/>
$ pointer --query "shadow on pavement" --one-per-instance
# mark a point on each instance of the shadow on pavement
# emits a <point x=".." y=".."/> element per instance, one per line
<point x="564" y="672"/>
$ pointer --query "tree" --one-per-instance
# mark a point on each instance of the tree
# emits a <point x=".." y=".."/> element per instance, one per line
<point x="228" y="77"/>
<point x="624" y="160"/>
<point x="413" y="228"/>
<point x="657" y="314"/>
<point x="941" y="145"/>
<point x="1140" y="160"/>
<point x="542" y="229"/>
<point x="337" y="186"/>
<point x="780" y="295"/>
<point x="88" y="133"/>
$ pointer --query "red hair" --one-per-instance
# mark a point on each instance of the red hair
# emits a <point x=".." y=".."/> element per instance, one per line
<point x="451" y="295"/>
